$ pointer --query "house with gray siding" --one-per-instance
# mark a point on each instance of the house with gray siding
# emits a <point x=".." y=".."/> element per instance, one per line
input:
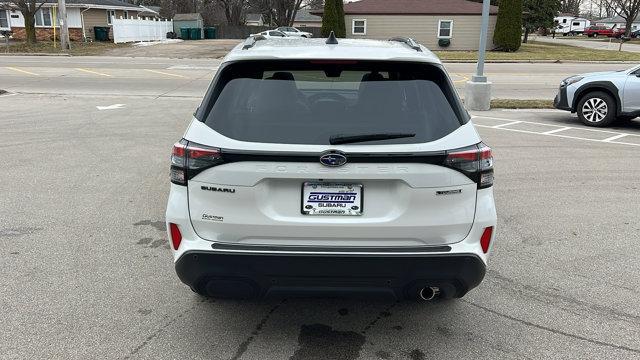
<point x="433" y="23"/>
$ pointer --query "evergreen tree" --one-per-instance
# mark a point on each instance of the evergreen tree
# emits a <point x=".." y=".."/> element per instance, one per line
<point x="333" y="19"/>
<point x="508" y="32"/>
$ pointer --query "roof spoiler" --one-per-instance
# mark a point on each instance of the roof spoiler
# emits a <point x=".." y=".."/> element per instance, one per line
<point x="407" y="41"/>
<point x="251" y="41"/>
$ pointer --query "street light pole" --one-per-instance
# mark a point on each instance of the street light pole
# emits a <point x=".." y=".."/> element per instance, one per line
<point x="478" y="90"/>
<point x="479" y="76"/>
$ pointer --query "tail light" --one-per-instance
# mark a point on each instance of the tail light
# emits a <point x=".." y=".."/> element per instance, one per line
<point x="189" y="159"/>
<point x="474" y="161"/>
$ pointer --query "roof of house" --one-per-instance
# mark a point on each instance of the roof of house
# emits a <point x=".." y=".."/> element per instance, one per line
<point x="254" y="17"/>
<point x="305" y="15"/>
<point x="87" y="3"/>
<point x="346" y="49"/>
<point x="187" y="17"/>
<point x="413" y="7"/>
<point x="616" y="19"/>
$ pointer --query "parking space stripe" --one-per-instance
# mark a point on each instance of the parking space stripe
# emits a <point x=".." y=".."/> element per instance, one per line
<point x="507" y="124"/>
<point x="165" y="73"/>
<point x="616" y="137"/>
<point x="555" y="133"/>
<point x="556" y="130"/>
<point x="22" y="71"/>
<point x="93" y="72"/>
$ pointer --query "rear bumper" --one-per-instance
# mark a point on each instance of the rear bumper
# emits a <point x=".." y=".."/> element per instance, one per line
<point x="398" y="277"/>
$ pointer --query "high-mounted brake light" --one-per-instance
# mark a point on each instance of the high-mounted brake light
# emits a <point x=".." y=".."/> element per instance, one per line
<point x="474" y="161"/>
<point x="189" y="159"/>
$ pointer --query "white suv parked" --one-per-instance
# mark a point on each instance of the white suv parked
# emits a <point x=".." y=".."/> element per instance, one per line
<point x="316" y="167"/>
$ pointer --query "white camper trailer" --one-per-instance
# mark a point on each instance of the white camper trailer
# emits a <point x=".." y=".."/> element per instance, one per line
<point x="570" y="25"/>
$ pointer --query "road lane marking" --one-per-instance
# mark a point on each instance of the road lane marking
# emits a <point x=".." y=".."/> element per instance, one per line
<point x="507" y="124"/>
<point x="110" y="107"/>
<point x="164" y="73"/>
<point x="92" y="72"/>
<point x="22" y="71"/>
<point x="464" y="78"/>
<point x="616" y="137"/>
<point x="545" y="124"/>
<point x="556" y="130"/>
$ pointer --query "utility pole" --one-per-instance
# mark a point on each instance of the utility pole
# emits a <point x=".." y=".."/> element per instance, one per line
<point x="64" y="28"/>
<point x="478" y="90"/>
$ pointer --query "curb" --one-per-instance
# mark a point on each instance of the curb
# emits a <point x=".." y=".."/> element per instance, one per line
<point x="538" y="62"/>
<point x="33" y="54"/>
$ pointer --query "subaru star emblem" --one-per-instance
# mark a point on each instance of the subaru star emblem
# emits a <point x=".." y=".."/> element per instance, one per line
<point x="333" y="158"/>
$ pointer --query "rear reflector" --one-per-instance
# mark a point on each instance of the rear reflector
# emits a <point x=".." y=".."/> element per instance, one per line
<point x="176" y="236"/>
<point x="485" y="239"/>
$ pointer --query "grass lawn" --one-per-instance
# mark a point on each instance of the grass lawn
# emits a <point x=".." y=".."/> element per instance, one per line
<point x="521" y="104"/>
<point x="77" y="48"/>
<point x="544" y="51"/>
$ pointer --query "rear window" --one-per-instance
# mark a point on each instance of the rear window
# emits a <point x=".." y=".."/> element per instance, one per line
<point x="309" y="102"/>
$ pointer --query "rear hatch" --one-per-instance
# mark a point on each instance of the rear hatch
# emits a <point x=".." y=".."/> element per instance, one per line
<point x="337" y="154"/>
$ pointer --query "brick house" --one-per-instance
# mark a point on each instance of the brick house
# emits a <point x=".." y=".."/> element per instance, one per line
<point x="82" y="17"/>
<point x="437" y="24"/>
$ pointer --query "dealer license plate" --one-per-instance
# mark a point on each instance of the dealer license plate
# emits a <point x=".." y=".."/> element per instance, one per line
<point x="338" y="199"/>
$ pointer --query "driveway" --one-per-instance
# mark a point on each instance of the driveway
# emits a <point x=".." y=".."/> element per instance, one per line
<point x="590" y="44"/>
<point x="209" y="49"/>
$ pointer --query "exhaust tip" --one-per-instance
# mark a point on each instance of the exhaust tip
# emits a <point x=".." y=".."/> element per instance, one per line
<point x="429" y="293"/>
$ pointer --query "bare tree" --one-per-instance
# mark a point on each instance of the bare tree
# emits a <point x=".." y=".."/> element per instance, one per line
<point x="282" y="12"/>
<point x="571" y="6"/>
<point x="235" y="11"/>
<point x="28" y="8"/>
<point x="626" y="9"/>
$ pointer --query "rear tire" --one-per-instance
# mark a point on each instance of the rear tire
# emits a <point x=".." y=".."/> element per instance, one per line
<point x="595" y="35"/>
<point x="597" y="109"/>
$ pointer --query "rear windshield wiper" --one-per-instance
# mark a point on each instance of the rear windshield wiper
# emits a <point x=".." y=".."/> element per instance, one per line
<point x="350" y="139"/>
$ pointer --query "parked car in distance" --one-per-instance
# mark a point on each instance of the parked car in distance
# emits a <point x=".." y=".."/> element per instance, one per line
<point x="331" y="167"/>
<point x="635" y="34"/>
<point x="598" y="30"/>
<point x="271" y="34"/>
<point x="619" y="32"/>
<point x="601" y="98"/>
<point x="291" y="31"/>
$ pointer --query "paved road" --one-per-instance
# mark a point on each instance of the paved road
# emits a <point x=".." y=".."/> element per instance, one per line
<point x="156" y="77"/>
<point x="87" y="272"/>
<point x="590" y="44"/>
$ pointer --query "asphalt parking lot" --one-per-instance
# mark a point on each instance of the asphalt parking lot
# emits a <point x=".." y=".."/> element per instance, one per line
<point x="88" y="274"/>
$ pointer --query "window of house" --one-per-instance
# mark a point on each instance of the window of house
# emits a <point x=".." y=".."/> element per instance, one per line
<point x="359" y="27"/>
<point x="445" y="29"/>
<point x="126" y="14"/>
<point x="4" y="21"/>
<point x="111" y="14"/>
<point x="43" y="17"/>
<point x="564" y="21"/>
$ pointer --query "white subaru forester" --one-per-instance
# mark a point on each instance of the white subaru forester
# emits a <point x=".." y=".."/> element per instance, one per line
<point x="326" y="167"/>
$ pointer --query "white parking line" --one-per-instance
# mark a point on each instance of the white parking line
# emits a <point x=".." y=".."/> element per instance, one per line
<point x="507" y="124"/>
<point x="557" y="132"/>
<point x="616" y="137"/>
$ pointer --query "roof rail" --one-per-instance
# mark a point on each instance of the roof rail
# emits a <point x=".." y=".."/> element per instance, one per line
<point x="251" y="41"/>
<point x="407" y="41"/>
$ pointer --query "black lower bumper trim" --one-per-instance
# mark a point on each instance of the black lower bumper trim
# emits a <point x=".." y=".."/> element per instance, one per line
<point x="251" y="276"/>
<point x="561" y="101"/>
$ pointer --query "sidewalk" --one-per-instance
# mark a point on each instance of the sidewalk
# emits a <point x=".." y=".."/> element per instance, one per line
<point x="590" y="44"/>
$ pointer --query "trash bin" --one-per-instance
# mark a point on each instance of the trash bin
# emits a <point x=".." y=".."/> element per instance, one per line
<point x="184" y="33"/>
<point x="210" y="33"/>
<point x="101" y="33"/>
<point x="195" y="33"/>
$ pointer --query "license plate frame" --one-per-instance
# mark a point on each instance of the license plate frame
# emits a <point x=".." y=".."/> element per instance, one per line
<point x="339" y="193"/>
